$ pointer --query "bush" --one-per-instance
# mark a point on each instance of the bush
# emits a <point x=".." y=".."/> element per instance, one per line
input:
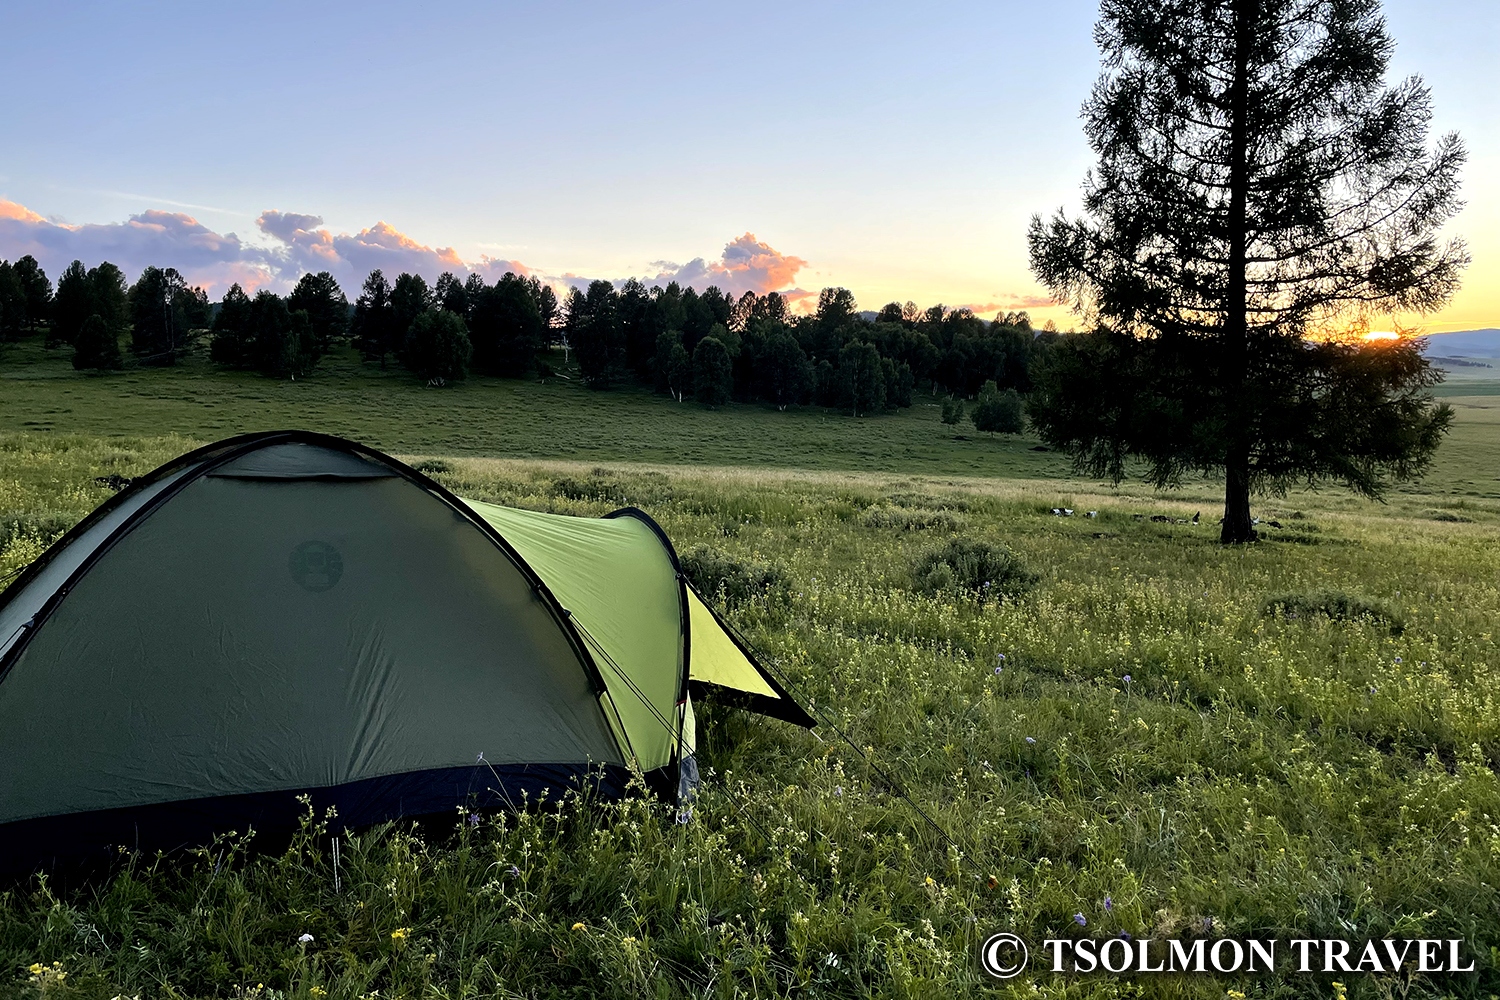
<point x="432" y="466"/>
<point x="987" y="571"/>
<point x="998" y="412"/>
<point x="1332" y="604"/>
<point x="592" y="487"/>
<point x="716" y="574"/>
<point x="953" y="411"/>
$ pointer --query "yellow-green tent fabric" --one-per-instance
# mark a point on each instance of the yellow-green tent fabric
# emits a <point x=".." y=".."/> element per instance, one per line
<point x="291" y="614"/>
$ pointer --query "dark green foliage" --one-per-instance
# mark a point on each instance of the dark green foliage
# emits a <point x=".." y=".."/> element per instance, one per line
<point x="280" y="341"/>
<point x="595" y="335"/>
<point x="953" y="411"/>
<point x="232" y="342"/>
<point x="1332" y="604"/>
<point x="96" y="345"/>
<point x="1256" y="184"/>
<point x="438" y="348"/>
<point x="164" y="311"/>
<point x="506" y="325"/>
<point x="36" y="290"/>
<point x="71" y="306"/>
<point x="786" y="376"/>
<point x="373" y="326"/>
<point x="998" y="412"/>
<point x="662" y="359"/>
<point x="109" y="297"/>
<point x="12" y="303"/>
<point x="432" y="466"/>
<point x="713" y="372"/>
<point x="679" y="370"/>
<point x="731" y="580"/>
<point x="861" y="379"/>
<point x="989" y="572"/>
<point x="410" y="298"/>
<point x="320" y="296"/>
<point x="452" y="295"/>
<point x="899" y="383"/>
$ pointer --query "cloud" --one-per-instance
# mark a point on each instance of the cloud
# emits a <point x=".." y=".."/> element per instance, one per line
<point x="166" y="239"/>
<point x="299" y="243"/>
<point x="746" y="265"/>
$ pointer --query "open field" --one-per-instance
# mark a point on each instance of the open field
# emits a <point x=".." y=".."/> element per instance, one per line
<point x="1255" y="774"/>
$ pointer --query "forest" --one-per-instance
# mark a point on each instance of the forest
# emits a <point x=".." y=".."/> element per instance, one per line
<point x="708" y="346"/>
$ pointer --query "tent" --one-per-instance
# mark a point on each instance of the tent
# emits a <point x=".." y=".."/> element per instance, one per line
<point x="290" y="613"/>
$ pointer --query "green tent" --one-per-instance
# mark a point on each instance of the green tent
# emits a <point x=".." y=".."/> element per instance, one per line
<point x="290" y="613"/>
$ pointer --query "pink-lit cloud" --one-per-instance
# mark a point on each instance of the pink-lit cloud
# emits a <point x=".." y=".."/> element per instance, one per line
<point x="167" y="239"/>
<point x="296" y="243"/>
<point x="747" y="265"/>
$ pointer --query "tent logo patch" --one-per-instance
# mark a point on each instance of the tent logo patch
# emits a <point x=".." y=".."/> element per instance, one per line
<point x="316" y="566"/>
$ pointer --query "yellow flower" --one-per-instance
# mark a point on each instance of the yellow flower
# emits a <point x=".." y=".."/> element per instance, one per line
<point x="578" y="926"/>
<point x="930" y="881"/>
<point x="317" y="991"/>
<point x="400" y="933"/>
<point x="37" y="968"/>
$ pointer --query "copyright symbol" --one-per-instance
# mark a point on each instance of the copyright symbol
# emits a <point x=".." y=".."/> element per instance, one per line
<point x="1003" y="955"/>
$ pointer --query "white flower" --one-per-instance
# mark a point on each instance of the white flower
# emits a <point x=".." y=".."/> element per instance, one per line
<point x="305" y="939"/>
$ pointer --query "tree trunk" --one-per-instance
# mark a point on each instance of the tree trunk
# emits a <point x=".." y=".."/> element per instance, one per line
<point x="1237" y="527"/>
<point x="1236" y="345"/>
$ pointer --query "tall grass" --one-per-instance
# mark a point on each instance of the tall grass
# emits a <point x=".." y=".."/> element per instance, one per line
<point x="1134" y="729"/>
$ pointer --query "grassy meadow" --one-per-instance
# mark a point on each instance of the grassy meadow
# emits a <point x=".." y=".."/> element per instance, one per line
<point x="1138" y="742"/>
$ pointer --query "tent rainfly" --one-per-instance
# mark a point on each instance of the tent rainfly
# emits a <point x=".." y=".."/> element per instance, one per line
<point x="290" y="613"/>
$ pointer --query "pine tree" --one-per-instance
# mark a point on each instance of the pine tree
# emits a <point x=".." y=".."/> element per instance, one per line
<point x="96" y="345"/>
<point x="1258" y="191"/>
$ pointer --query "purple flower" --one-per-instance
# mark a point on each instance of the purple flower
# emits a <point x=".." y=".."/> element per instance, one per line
<point x="684" y="816"/>
<point x="1373" y="689"/>
<point x="473" y="819"/>
<point x="1109" y="905"/>
<point x="1031" y="739"/>
<point x="1000" y="656"/>
<point x="514" y="872"/>
<point x="1080" y="920"/>
<point x="1126" y="678"/>
<point x="997" y="671"/>
<point x="1398" y="659"/>
<point x="1208" y="924"/>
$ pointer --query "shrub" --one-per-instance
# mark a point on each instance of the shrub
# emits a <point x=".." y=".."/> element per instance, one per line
<point x="591" y="487"/>
<point x="998" y="411"/>
<point x="1332" y="604"/>
<point x="432" y="466"/>
<point x="988" y="571"/>
<point x="953" y="411"/>
<point x="717" y="574"/>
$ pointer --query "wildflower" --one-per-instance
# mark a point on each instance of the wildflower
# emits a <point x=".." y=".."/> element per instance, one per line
<point x="305" y="939"/>
<point x="1372" y="689"/>
<point x="1001" y="656"/>
<point x="579" y="926"/>
<point x="400" y="933"/>
<point x="1031" y="739"/>
<point x="317" y="992"/>
<point x="1080" y="920"/>
<point x="628" y="942"/>
<point x="685" y="816"/>
<point x="1208" y="924"/>
<point x="1124" y="935"/>
<point x="473" y="819"/>
<point x="838" y="791"/>
<point x="930" y="881"/>
<point x="514" y="872"/>
<point x="1398" y="659"/>
<point x="1126" y="678"/>
<point x="1340" y="992"/>
<point x="997" y="671"/>
<point x="1109" y="904"/>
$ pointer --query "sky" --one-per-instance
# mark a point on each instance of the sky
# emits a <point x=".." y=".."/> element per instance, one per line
<point x="895" y="149"/>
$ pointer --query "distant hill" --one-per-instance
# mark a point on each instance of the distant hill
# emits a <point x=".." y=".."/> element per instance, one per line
<point x="1464" y="344"/>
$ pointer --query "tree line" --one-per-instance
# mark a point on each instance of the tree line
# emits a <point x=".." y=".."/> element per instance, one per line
<point x="709" y="347"/>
